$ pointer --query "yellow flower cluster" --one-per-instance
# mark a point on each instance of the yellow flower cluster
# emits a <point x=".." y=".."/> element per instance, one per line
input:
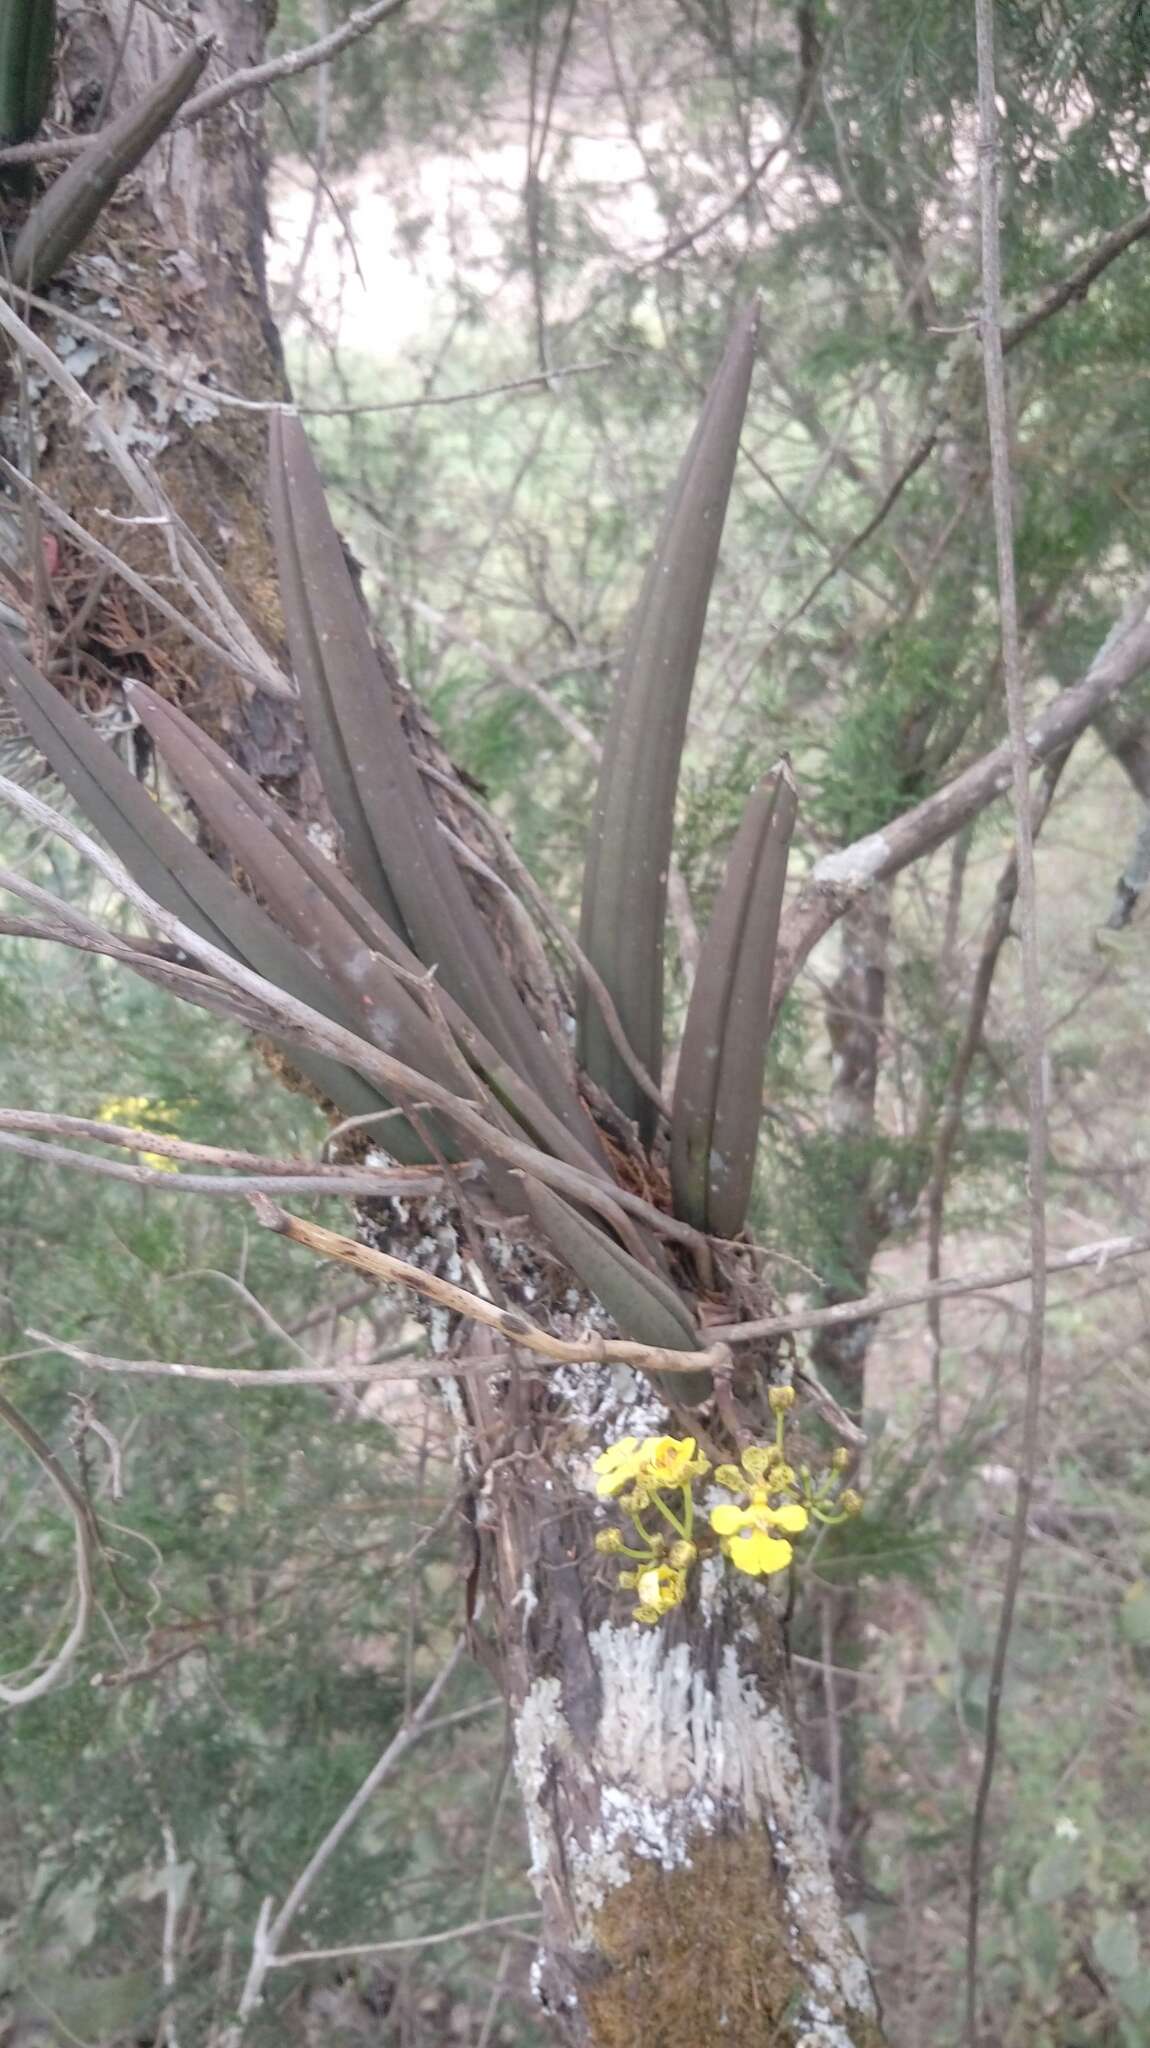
<point x="773" y="1503"/>
<point x="639" y="1475"/>
<point x="129" y="1109"/>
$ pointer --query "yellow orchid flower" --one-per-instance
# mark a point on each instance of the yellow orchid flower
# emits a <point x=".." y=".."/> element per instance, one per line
<point x="661" y="1588"/>
<point x="758" y="1554"/>
<point x="667" y="1460"/>
<point x="617" y="1466"/>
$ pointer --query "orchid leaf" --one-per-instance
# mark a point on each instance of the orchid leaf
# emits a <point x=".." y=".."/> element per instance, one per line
<point x="398" y="855"/>
<point x="311" y="875"/>
<point x="642" y="1305"/>
<point x="71" y="206"/>
<point x="27" y="37"/>
<point x="625" y="885"/>
<point x="181" y="877"/>
<point x="717" y="1107"/>
<point x="386" y="1012"/>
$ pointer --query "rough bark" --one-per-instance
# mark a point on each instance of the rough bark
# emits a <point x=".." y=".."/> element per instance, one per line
<point x="175" y="267"/>
<point x="684" y="1877"/>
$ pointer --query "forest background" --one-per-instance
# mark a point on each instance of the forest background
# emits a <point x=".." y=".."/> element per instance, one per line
<point x="506" y="241"/>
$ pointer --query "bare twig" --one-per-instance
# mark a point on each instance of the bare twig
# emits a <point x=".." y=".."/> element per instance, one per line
<point x="86" y="1547"/>
<point x="395" y="1180"/>
<point x="269" y="1930"/>
<point x="1098" y="1254"/>
<point x="1000" y="467"/>
<point x="331" y="1180"/>
<point x="415" y="1941"/>
<point x="954" y="1090"/>
<point x="253" y="78"/>
<point x="174" y="1888"/>
<point x="836" y="879"/>
<point x="218" y="394"/>
<point x="1074" y="286"/>
<point x="509" y="1323"/>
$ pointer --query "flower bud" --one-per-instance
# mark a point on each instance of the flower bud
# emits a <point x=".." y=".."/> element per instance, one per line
<point x="608" y="1542"/>
<point x="781" y="1398"/>
<point x="681" y="1555"/>
<point x="851" y="1502"/>
<point x="841" y="1459"/>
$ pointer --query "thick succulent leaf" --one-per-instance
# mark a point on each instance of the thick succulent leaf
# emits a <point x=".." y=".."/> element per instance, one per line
<point x="27" y="36"/>
<point x="387" y="1013"/>
<point x="718" y="1101"/>
<point x="399" y="857"/>
<point x="69" y="209"/>
<point x="642" y="1305"/>
<point x="184" y="880"/>
<point x="625" y="885"/>
<point x="309" y="876"/>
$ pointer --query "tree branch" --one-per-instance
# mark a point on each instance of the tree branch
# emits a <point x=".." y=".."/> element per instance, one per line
<point x="838" y="877"/>
<point x="1002" y="496"/>
<point x="255" y="77"/>
<point x="509" y="1323"/>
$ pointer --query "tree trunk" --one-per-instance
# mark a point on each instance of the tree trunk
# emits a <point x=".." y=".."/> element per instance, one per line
<point x="683" y="1876"/>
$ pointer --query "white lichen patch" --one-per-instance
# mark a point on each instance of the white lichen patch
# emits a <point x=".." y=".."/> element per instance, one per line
<point x="608" y="1402"/>
<point x="854" y="867"/>
<point x="680" y="1752"/>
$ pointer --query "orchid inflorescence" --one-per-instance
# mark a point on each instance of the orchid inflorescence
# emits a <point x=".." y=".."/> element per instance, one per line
<point x="774" y="1501"/>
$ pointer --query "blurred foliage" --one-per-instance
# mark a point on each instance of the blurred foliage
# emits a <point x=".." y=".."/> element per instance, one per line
<point x="260" y="1624"/>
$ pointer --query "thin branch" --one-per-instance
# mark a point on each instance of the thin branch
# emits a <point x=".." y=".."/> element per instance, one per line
<point x="1002" y="495"/>
<point x="509" y="1323"/>
<point x="331" y="1180"/>
<point x="86" y="1546"/>
<point x="414" y="1941"/>
<point x="416" y="1180"/>
<point x="544" y="378"/>
<point x="253" y="78"/>
<point x="837" y="879"/>
<point x="174" y="1888"/>
<point x="1099" y="1254"/>
<point x="1075" y="286"/>
<point x="269" y="1931"/>
<point x="218" y="395"/>
<point x="954" y="1091"/>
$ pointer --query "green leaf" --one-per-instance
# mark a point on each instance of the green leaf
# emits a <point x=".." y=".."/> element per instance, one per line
<point x="629" y="852"/>
<point x="27" y="37"/>
<point x="1116" y="1944"/>
<point x="310" y="896"/>
<point x="1057" y="1873"/>
<point x="399" y="858"/>
<point x="1134" y="1993"/>
<point x="181" y="877"/>
<point x="69" y="209"/>
<point x="386" y="1012"/>
<point x="640" y="1302"/>
<point x="717" y="1108"/>
<point x="1134" y="1614"/>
